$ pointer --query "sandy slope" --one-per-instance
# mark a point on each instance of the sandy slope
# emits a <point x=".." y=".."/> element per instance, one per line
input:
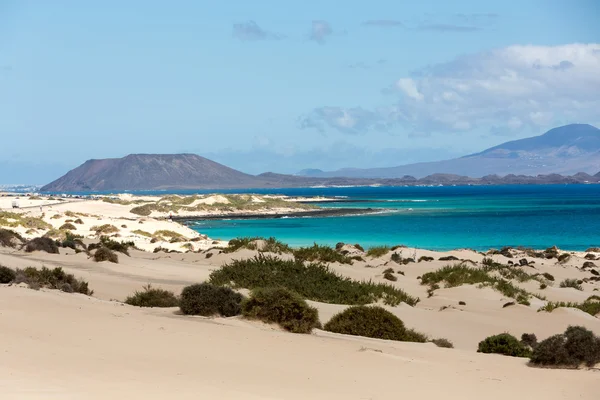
<point x="61" y="346"/>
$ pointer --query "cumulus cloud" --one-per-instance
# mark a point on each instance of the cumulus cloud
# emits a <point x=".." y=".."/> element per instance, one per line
<point x="503" y="90"/>
<point x="320" y="30"/>
<point x="250" y="31"/>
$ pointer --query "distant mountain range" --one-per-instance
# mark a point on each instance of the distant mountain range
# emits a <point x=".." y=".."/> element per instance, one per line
<point x="573" y="149"/>
<point x="565" y="150"/>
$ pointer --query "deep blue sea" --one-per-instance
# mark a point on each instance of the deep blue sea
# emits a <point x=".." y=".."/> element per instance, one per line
<point x="438" y="218"/>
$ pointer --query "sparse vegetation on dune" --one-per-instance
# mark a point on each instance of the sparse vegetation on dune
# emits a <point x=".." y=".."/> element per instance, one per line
<point x="10" y="238"/>
<point x="14" y="220"/>
<point x="283" y="307"/>
<point x="372" y="321"/>
<point x="571" y="283"/>
<point x="68" y="227"/>
<point x="104" y="229"/>
<point x="460" y="274"/>
<point x="152" y="297"/>
<point x="312" y="281"/>
<point x="7" y="275"/>
<point x="121" y="247"/>
<point x="52" y="279"/>
<point x="141" y="233"/>
<point x="270" y="245"/>
<point x="105" y="254"/>
<point x="320" y="253"/>
<point x="378" y="251"/>
<point x="590" y="306"/>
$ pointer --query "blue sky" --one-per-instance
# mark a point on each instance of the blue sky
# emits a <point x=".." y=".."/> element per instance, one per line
<point x="282" y="86"/>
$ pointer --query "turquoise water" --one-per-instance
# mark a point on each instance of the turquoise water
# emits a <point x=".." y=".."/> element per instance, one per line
<point x="438" y="218"/>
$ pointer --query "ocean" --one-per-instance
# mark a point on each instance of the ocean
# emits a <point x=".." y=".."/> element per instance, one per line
<point x="436" y="218"/>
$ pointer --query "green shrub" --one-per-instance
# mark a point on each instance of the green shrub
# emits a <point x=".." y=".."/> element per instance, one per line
<point x="505" y="344"/>
<point x="241" y="243"/>
<point x="397" y="258"/>
<point x="321" y="254"/>
<point x="371" y="321"/>
<point x="390" y="276"/>
<point x="78" y="221"/>
<point x="271" y="245"/>
<point x="564" y="257"/>
<point x="144" y="210"/>
<point x="548" y="276"/>
<point x="313" y="281"/>
<point x="448" y="258"/>
<point x="208" y="300"/>
<point x="105" y="254"/>
<point x="51" y="278"/>
<point x="7" y="275"/>
<point x="10" y="238"/>
<point x="67" y="227"/>
<point x="121" y="247"/>
<point x="574" y="347"/>
<point x="425" y="258"/>
<point x="378" y="251"/>
<point x="571" y="283"/>
<point x="42" y="244"/>
<point x="283" y="307"/>
<point x="443" y="343"/>
<point x="152" y="297"/>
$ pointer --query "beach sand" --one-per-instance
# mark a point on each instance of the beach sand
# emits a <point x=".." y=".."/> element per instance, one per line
<point x="56" y="345"/>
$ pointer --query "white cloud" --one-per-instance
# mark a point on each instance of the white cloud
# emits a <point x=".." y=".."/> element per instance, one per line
<point x="503" y="90"/>
<point x="320" y="30"/>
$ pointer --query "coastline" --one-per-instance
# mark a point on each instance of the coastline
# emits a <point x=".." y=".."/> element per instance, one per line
<point x="323" y="212"/>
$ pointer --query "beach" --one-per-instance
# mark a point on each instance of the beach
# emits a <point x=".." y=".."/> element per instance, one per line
<point x="59" y="345"/>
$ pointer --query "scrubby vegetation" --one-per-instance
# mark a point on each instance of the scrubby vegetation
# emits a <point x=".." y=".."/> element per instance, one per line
<point x="312" y="281"/>
<point x="505" y="344"/>
<point x="448" y="258"/>
<point x="121" y="247"/>
<point x="425" y="258"/>
<point x="591" y="307"/>
<point x="389" y="275"/>
<point x="105" y="254"/>
<point x="563" y="258"/>
<point x="10" y="238"/>
<point x="576" y="346"/>
<point x="378" y="251"/>
<point x="14" y="220"/>
<point x="441" y="342"/>
<point x="141" y="233"/>
<point x="571" y="283"/>
<point x="104" y="229"/>
<point x="460" y="274"/>
<point x="270" y="245"/>
<point x="53" y="279"/>
<point x="321" y="254"/>
<point x="208" y="300"/>
<point x="529" y="339"/>
<point x="283" y="307"/>
<point x="372" y="321"/>
<point x="7" y="275"/>
<point x="67" y="227"/>
<point x="152" y="297"/>
<point x="42" y="244"/>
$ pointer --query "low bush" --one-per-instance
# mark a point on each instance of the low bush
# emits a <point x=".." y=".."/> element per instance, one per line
<point x="67" y="227"/>
<point x="152" y="297"/>
<point x="10" y="238"/>
<point x="121" y="247"/>
<point x="378" y="251"/>
<point x="7" y="275"/>
<point x="207" y="300"/>
<point x="548" y="276"/>
<point x="78" y="221"/>
<point x="564" y="257"/>
<point x="505" y="344"/>
<point x="104" y="229"/>
<point x="529" y="339"/>
<point x="144" y="210"/>
<point x="105" y="254"/>
<point x="425" y="258"/>
<point x="576" y="346"/>
<point x="390" y="276"/>
<point x="42" y="244"/>
<point x="312" y="281"/>
<point x="571" y="283"/>
<point x="53" y="279"/>
<point x="321" y="254"/>
<point x="448" y="258"/>
<point x="371" y="321"/>
<point x="443" y="343"/>
<point x="283" y="307"/>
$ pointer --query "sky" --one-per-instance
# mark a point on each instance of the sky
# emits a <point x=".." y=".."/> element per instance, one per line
<point x="286" y="85"/>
